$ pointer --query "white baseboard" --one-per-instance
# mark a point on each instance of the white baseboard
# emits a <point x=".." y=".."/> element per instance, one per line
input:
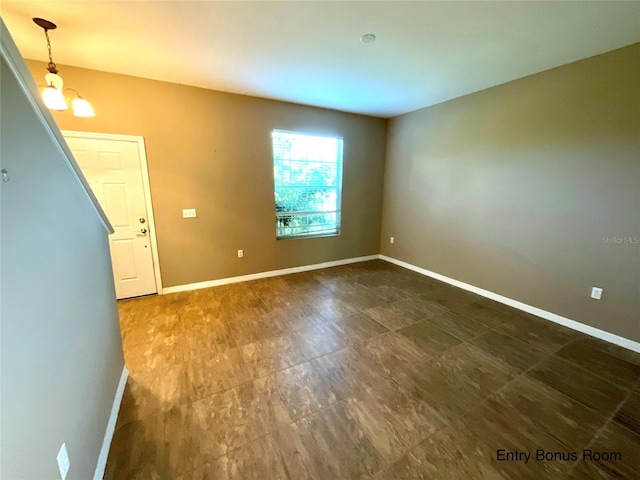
<point x="271" y="273"/>
<point x="567" y="322"/>
<point x="111" y="427"/>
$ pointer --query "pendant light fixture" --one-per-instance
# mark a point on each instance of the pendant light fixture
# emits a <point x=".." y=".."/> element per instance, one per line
<point x="52" y="95"/>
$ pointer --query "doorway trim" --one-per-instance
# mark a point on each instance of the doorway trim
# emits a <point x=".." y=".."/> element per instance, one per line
<point x="146" y="187"/>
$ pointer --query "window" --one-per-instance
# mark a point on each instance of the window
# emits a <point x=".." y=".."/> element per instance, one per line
<point x="307" y="177"/>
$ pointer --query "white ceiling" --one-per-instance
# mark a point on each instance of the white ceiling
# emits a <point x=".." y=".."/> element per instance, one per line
<point x="310" y="53"/>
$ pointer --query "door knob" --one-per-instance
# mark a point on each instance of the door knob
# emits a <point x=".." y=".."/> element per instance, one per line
<point x="143" y="231"/>
<point x="142" y="220"/>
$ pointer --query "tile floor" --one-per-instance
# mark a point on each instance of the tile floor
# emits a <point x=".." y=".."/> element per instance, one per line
<point x="365" y="371"/>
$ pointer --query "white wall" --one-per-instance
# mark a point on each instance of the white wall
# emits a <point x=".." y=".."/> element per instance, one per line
<point x="61" y="353"/>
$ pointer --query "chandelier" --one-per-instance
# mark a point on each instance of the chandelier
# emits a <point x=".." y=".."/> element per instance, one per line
<point x="53" y="93"/>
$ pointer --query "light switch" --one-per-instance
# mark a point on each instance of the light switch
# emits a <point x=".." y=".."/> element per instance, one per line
<point x="596" y="293"/>
<point x="188" y="213"/>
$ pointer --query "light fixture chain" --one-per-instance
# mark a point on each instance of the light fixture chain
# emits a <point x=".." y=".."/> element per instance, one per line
<point x="52" y="65"/>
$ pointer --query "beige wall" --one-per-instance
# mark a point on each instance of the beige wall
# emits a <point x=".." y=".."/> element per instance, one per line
<point x="61" y="352"/>
<point x="512" y="189"/>
<point x="212" y="151"/>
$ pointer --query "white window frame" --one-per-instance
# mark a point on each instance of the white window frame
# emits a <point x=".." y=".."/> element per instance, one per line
<point x="339" y="173"/>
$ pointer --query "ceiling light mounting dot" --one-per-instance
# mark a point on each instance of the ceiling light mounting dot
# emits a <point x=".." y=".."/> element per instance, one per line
<point x="368" y="38"/>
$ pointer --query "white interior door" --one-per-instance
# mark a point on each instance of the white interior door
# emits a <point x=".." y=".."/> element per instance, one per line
<point x="114" y="171"/>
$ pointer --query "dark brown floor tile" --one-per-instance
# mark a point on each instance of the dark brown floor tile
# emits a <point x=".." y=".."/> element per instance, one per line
<point x="150" y="329"/>
<point x="391" y="352"/>
<point x="293" y="393"/>
<point x="234" y="293"/>
<point x="128" y="306"/>
<point x="387" y="420"/>
<point x="332" y="281"/>
<point x="498" y="306"/>
<point x="419" y="277"/>
<point x="206" y="332"/>
<point x="428" y="338"/>
<point x="214" y="426"/>
<point x="314" y="295"/>
<point x="346" y="372"/>
<point x="302" y="280"/>
<point x="296" y="316"/>
<point x="502" y="429"/>
<point x="368" y="280"/>
<point x="260" y="459"/>
<point x="561" y="417"/>
<point x="199" y="344"/>
<point x="583" y="470"/>
<point x="448" y="395"/>
<point x="450" y="454"/>
<point x="197" y="299"/>
<point x="139" y="451"/>
<point x="629" y="413"/>
<point x="359" y="327"/>
<point x="150" y="394"/>
<point x="214" y="373"/>
<point x="509" y="350"/>
<point x="602" y="364"/>
<point x="404" y="312"/>
<point x="332" y="307"/>
<point x="380" y="265"/>
<point x="318" y="340"/>
<point x="579" y="384"/>
<point x="412" y="419"/>
<point x="179" y="301"/>
<point x="156" y="357"/>
<point x="141" y="312"/>
<point x="389" y="292"/>
<point x="395" y="315"/>
<point x="361" y="297"/>
<point x="248" y="307"/>
<point x="623" y="449"/>
<point x="200" y="317"/>
<point x="268" y="286"/>
<point x="291" y="299"/>
<point x="459" y="326"/>
<point x="318" y="447"/>
<point x="448" y="296"/>
<point x="414" y="285"/>
<point x="252" y="328"/>
<point x="428" y="307"/>
<point x="540" y="333"/>
<point x="272" y="354"/>
<point x="479" y="311"/>
<point x="369" y="402"/>
<point x="483" y="371"/>
<point x="610" y="348"/>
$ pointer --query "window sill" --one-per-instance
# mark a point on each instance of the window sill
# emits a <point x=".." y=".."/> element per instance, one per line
<point x="303" y="237"/>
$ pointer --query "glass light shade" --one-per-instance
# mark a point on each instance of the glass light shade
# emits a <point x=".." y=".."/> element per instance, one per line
<point x="53" y="99"/>
<point x="54" y="80"/>
<point x="82" y="108"/>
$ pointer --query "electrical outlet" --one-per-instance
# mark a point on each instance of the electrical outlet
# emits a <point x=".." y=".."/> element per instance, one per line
<point x="596" y="293"/>
<point x="188" y="213"/>
<point x="391" y="239"/>
<point x="63" y="461"/>
<point x="240" y="253"/>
